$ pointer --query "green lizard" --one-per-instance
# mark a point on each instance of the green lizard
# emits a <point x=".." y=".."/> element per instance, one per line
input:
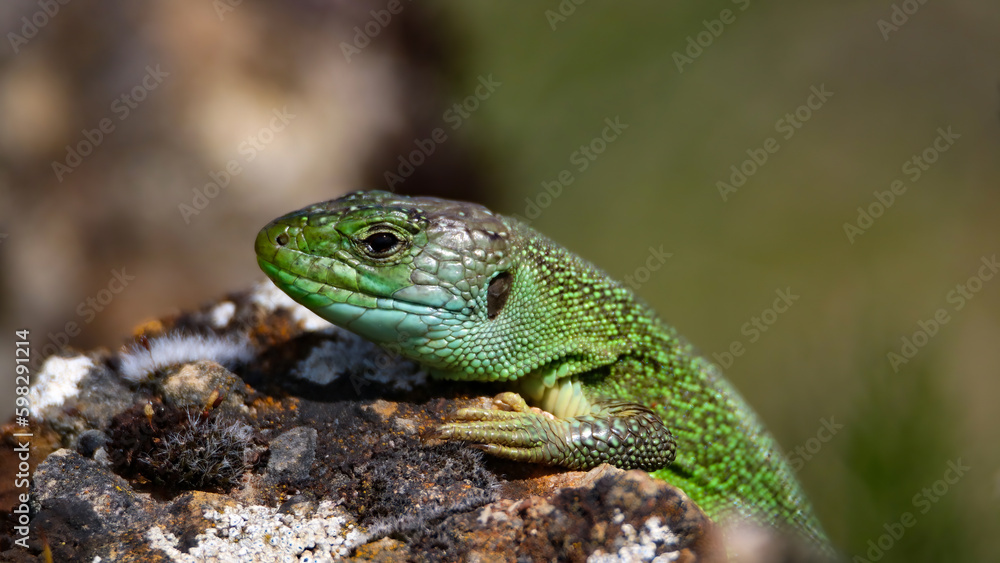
<point x="477" y="296"/>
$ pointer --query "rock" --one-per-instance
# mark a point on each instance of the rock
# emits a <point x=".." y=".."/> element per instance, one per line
<point x="202" y="383"/>
<point x="88" y="442"/>
<point x="622" y="517"/>
<point x="83" y="508"/>
<point x="76" y="394"/>
<point x="184" y="459"/>
<point x="292" y="455"/>
<point x="87" y="512"/>
<point x="415" y="487"/>
<point x="67" y="477"/>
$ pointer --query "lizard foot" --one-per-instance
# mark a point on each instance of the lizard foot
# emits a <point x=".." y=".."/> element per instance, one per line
<point x="626" y="435"/>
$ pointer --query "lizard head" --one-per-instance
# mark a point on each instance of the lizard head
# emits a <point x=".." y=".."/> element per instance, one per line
<point x="425" y="277"/>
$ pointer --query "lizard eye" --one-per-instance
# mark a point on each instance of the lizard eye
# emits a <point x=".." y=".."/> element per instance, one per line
<point x="381" y="244"/>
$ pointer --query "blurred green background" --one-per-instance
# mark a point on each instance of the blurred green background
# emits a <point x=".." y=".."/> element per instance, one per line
<point x="895" y="75"/>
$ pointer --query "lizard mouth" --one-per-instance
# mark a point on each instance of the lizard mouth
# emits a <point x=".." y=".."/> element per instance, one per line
<point x="380" y="319"/>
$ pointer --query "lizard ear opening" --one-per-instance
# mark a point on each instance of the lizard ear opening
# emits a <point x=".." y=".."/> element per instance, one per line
<point x="497" y="292"/>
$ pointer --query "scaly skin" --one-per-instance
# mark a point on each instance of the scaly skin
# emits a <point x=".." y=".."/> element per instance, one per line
<point x="477" y="296"/>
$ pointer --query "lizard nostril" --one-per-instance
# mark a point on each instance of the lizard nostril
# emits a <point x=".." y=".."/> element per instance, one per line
<point x="281" y="239"/>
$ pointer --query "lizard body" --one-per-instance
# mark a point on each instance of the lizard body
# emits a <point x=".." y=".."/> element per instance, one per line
<point x="477" y="296"/>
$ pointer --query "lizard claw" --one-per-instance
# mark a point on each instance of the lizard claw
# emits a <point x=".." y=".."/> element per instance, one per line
<point x="506" y="406"/>
<point x="512" y="429"/>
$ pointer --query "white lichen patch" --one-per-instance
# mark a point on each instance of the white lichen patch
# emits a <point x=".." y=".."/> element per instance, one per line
<point x="260" y="533"/>
<point x="223" y="313"/>
<point x="137" y="362"/>
<point x="267" y="296"/>
<point x="366" y="363"/>
<point x="642" y="545"/>
<point x="57" y="381"/>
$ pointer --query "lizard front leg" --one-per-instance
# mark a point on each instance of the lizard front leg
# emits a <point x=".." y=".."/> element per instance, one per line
<point x="626" y="435"/>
